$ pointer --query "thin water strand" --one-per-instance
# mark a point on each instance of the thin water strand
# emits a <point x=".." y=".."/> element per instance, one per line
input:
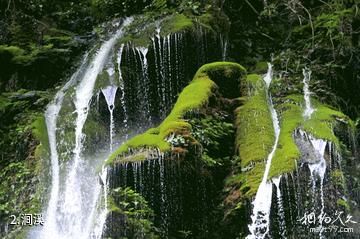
<point x="317" y="171"/>
<point x="308" y="108"/>
<point x="109" y="93"/>
<point x="281" y="214"/>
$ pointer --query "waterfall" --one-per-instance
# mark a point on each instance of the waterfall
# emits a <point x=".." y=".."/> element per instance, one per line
<point x="224" y="46"/>
<point x="73" y="204"/>
<point x="260" y="217"/>
<point x="122" y="89"/>
<point x="109" y="93"/>
<point x="119" y="61"/>
<point x="281" y="213"/>
<point x="308" y="108"/>
<point x="51" y="115"/>
<point x="142" y="52"/>
<point x="163" y="208"/>
<point x="99" y="227"/>
<point x="170" y="87"/>
<point x="161" y="69"/>
<point x="317" y="166"/>
<point x="317" y="172"/>
<point x="177" y="61"/>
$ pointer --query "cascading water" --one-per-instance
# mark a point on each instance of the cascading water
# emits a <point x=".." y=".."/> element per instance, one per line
<point x="224" y="46"/>
<point x="160" y="68"/>
<point x="281" y="215"/>
<point x="317" y="167"/>
<point x="142" y="52"/>
<point x="308" y="108"/>
<point x="72" y="206"/>
<point x="51" y="116"/>
<point x="122" y="89"/>
<point x="260" y="217"/>
<point x="109" y="93"/>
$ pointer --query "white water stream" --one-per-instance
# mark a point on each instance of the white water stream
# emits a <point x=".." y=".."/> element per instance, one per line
<point x="72" y="211"/>
<point x="51" y="115"/>
<point x="109" y="93"/>
<point x="308" y="108"/>
<point x="281" y="213"/>
<point x="260" y="217"/>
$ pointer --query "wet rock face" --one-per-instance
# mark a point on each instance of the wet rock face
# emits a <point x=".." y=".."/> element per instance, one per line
<point x="308" y="154"/>
<point x="179" y="191"/>
<point x="306" y="197"/>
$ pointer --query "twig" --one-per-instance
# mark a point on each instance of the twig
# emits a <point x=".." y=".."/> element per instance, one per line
<point x="311" y="24"/>
<point x="252" y="7"/>
<point x="267" y="36"/>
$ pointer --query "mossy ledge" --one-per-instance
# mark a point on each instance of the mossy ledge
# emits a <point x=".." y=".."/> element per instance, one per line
<point x="193" y="97"/>
<point x="253" y="122"/>
<point x="320" y="125"/>
<point x="167" y="24"/>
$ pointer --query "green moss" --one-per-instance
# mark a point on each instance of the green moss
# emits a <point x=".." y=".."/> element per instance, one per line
<point x="140" y="31"/>
<point x="193" y="96"/>
<point x="42" y="150"/>
<point x="343" y="203"/>
<point x="261" y="67"/>
<point x="337" y="177"/>
<point x="39" y="130"/>
<point x="176" y="23"/>
<point x="250" y="180"/>
<point x="253" y="122"/>
<point x="320" y="125"/>
<point x="65" y="121"/>
<point x="13" y="50"/>
<point x="287" y="152"/>
<point x="227" y="68"/>
<point x="322" y="122"/>
<point x="102" y="80"/>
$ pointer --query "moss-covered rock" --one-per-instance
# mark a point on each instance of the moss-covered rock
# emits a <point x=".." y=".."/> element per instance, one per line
<point x="338" y="179"/>
<point x="142" y="29"/>
<point x="176" y="23"/>
<point x="343" y="204"/>
<point x="253" y="121"/>
<point x="192" y="98"/>
<point x="320" y="125"/>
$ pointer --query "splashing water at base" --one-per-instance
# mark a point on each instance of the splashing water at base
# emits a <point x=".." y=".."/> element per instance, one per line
<point x="260" y="217"/>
